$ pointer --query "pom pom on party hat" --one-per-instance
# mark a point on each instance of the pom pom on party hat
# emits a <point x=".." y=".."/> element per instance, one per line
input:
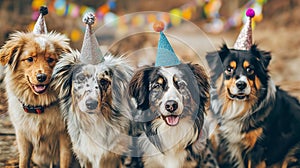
<point x="244" y="40"/>
<point x="40" y="25"/>
<point x="90" y="51"/>
<point x="165" y="55"/>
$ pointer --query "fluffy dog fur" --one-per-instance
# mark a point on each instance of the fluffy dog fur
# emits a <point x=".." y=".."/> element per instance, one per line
<point x="259" y="122"/>
<point x="172" y="100"/>
<point x="96" y="107"/>
<point x="30" y="59"/>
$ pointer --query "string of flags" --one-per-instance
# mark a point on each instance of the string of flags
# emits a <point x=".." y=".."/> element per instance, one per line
<point x="64" y="8"/>
<point x="218" y="24"/>
<point x="188" y="11"/>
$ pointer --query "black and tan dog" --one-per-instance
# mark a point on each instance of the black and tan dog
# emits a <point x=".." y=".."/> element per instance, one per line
<point x="259" y="122"/>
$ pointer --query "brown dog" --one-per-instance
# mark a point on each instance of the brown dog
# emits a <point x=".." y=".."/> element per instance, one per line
<point x="33" y="105"/>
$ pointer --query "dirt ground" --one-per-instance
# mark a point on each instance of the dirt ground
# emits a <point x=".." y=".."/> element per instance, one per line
<point x="283" y="42"/>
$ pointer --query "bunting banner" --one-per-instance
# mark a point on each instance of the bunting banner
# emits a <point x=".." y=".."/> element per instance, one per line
<point x="188" y="11"/>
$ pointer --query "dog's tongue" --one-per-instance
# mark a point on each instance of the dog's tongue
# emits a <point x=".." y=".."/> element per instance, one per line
<point x="172" y="120"/>
<point x="39" y="88"/>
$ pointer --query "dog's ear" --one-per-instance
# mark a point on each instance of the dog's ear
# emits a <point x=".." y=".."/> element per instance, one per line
<point x="266" y="57"/>
<point x="217" y="56"/>
<point x="60" y="42"/>
<point x="139" y="87"/>
<point x="61" y="79"/>
<point x="223" y="52"/>
<point x="261" y="55"/>
<point x="202" y="81"/>
<point x="12" y="49"/>
<point x="121" y="74"/>
<point x="215" y="62"/>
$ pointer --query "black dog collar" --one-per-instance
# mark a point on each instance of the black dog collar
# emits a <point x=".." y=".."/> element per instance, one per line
<point x="33" y="109"/>
<point x="36" y="109"/>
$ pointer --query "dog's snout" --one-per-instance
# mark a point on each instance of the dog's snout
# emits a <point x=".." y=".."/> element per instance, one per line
<point x="41" y="77"/>
<point x="91" y="104"/>
<point x="241" y="85"/>
<point x="171" y="105"/>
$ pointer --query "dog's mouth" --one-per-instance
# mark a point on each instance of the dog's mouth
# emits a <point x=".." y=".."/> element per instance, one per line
<point x="38" y="89"/>
<point x="171" y="120"/>
<point x="239" y="96"/>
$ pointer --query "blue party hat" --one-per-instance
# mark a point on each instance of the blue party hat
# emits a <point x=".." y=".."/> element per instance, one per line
<point x="165" y="55"/>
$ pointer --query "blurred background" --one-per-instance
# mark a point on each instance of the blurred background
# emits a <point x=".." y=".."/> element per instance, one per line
<point x="194" y="28"/>
<point x="275" y="24"/>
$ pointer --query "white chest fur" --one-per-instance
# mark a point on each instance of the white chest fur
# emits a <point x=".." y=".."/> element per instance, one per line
<point x="232" y="132"/>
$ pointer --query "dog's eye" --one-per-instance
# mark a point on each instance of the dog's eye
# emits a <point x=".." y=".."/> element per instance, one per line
<point x="249" y="70"/>
<point x="50" y="60"/>
<point x="229" y="70"/>
<point x="80" y="77"/>
<point x="29" y="59"/>
<point x="156" y="85"/>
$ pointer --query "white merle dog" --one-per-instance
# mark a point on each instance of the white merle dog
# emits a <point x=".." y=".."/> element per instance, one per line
<point x="95" y="105"/>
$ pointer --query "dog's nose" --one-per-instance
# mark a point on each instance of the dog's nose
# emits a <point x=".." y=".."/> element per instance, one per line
<point x="91" y="104"/>
<point x="41" y="77"/>
<point x="241" y="85"/>
<point x="171" y="106"/>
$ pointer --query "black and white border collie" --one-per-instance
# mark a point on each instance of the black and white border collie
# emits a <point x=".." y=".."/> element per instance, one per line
<point x="259" y="123"/>
<point x="172" y="100"/>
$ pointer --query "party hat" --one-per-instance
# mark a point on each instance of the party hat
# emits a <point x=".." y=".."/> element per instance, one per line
<point x="165" y="55"/>
<point x="244" y="40"/>
<point x="90" y="51"/>
<point x="40" y="25"/>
